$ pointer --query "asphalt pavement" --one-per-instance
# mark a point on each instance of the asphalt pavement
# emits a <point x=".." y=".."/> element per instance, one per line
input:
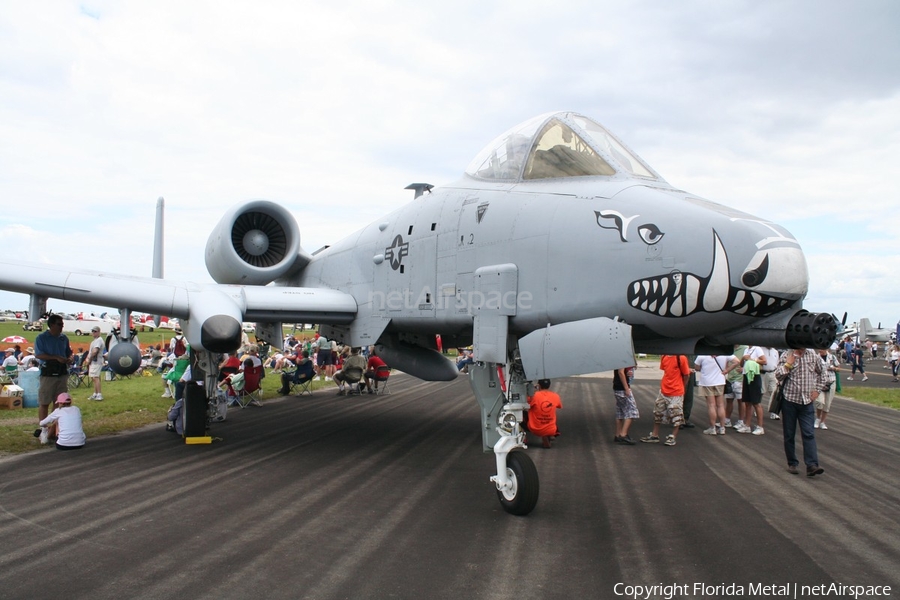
<point x="389" y="497"/>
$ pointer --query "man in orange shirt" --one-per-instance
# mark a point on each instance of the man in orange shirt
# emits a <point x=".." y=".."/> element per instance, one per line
<point x="670" y="400"/>
<point x="542" y="414"/>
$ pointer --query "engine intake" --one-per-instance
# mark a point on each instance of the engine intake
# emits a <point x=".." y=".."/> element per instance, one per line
<point x="254" y="243"/>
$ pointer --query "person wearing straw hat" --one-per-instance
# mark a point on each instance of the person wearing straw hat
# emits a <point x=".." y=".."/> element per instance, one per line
<point x="70" y="433"/>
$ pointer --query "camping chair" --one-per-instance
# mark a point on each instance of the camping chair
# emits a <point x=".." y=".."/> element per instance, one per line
<point x="10" y="375"/>
<point x="382" y="374"/>
<point x="305" y="371"/>
<point x="77" y="377"/>
<point x="251" y="392"/>
<point x="352" y="378"/>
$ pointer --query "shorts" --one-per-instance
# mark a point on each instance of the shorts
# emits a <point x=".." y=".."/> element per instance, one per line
<point x="51" y="387"/>
<point x="710" y="390"/>
<point x="753" y="390"/>
<point x="94" y="370"/>
<point x="324" y="358"/>
<point x="626" y="408"/>
<point x="733" y="389"/>
<point x="823" y="400"/>
<point x="669" y="409"/>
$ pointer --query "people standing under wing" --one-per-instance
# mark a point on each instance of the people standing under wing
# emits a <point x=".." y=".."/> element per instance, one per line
<point x="669" y="401"/>
<point x="751" y="363"/>
<point x="324" y="358"/>
<point x="823" y="402"/>
<point x="767" y="371"/>
<point x="95" y="362"/>
<point x="626" y="408"/>
<point x="711" y="385"/>
<point x="53" y="351"/>
<point x="734" y="390"/>
<point x="805" y="376"/>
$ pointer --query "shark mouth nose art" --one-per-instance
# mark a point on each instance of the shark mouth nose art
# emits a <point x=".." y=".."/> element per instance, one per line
<point x="683" y="294"/>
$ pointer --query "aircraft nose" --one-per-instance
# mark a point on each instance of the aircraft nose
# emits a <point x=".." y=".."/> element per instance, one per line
<point x="772" y="280"/>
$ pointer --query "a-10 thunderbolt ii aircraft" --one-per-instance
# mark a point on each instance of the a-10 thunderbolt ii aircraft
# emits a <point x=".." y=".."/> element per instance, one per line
<point x="558" y="252"/>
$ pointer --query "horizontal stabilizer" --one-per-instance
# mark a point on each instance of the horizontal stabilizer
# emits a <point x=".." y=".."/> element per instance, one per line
<point x="576" y="348"/>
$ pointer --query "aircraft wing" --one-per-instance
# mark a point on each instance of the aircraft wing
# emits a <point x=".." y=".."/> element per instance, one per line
<point x="213" y="312"/>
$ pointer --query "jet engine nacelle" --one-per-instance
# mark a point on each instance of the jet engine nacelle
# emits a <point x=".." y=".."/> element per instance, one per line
<point x="255" y="243"/>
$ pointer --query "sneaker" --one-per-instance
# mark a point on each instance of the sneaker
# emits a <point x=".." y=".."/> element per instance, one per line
<point x="721" y="430"/>
<point x="98" y="397"/>
<point x="167" y="395"/>
<point x="814" y="470"/>
<point x="742" y="429"/>
<point x="727" y="422"/>
<point x="739" y="424"/>
<point x="650" y="439"/>
<point x="327" y="378"/>
<point x="626" y="439"/>
<point x="865" y="378"/>
<point x="816" y="424"/>
<point x="710" y="431"/>
<point x="774" y="416"/>
<point x="670" y="440"/>
<point x="759" y="431"/>
<point x="792" y="469"/>
<point x="849" y="377"/>
<point x="823" y="426"/>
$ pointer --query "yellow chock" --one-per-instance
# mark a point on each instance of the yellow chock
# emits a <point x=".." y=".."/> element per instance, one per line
<point x="198" y="440"/>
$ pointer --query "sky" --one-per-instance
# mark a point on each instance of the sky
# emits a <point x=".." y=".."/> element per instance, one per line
<point x="789" y="110"/>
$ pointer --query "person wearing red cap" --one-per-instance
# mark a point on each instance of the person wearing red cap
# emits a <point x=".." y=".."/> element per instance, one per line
<point x="70" y="434"/>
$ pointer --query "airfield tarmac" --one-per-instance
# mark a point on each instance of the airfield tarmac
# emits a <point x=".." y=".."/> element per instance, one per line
<point x="388" y="497"/>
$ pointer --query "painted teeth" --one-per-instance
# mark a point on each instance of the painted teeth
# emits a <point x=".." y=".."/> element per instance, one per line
<point x="683" y="294"/>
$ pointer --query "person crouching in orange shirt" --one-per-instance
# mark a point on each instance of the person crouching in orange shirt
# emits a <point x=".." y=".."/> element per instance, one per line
<point x="542" y="412"/>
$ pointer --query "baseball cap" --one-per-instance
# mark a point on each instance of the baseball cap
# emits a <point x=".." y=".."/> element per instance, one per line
<point x="63" y="398"/>
<point x="95" y="328"/>
<point x="10" y="349"/>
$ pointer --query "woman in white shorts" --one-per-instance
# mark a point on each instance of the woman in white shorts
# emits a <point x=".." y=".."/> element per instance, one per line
<point x="711" y="385"/>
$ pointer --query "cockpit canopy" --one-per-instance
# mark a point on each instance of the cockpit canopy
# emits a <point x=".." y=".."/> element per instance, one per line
<point x="553" y="145"/>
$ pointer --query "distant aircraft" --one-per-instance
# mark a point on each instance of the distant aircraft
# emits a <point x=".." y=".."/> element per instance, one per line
<point x="863" y="331"/>
<point x="558" y="252"/>
<point x="875" y="334"/>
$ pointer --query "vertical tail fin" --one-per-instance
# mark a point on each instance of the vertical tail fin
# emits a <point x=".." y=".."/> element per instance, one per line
<point x="864" y="327"/>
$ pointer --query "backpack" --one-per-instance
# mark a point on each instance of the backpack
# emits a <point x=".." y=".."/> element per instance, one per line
<point x="180" y="348"/>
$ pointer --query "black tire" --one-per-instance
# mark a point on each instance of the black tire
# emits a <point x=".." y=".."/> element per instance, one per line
<point x="523" y="496"/>
<point x="77" y="332"/>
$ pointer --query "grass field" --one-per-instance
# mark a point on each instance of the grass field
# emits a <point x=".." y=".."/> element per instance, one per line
<point x="134" y="402"/>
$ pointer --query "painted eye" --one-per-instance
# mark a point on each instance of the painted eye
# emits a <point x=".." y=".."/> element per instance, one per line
<point x="754" y="277"/>
<point x="650" y="233"/>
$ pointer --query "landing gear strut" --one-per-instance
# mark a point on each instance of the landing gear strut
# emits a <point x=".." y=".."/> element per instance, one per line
<point x="502" y="411"/>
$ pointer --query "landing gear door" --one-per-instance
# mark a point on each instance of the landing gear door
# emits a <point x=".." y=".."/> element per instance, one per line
<point x="493" y="302"/>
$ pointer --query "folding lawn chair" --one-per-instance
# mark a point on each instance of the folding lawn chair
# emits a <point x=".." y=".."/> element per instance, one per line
<point x="304" y="372"/>
<point x="382" y="374"/>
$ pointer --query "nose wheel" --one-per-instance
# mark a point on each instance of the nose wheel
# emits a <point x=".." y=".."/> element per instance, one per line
<point x="519" y="495"/>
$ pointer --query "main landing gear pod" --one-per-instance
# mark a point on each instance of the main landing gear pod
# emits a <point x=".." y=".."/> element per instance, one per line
<point x="502" y="411"/>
